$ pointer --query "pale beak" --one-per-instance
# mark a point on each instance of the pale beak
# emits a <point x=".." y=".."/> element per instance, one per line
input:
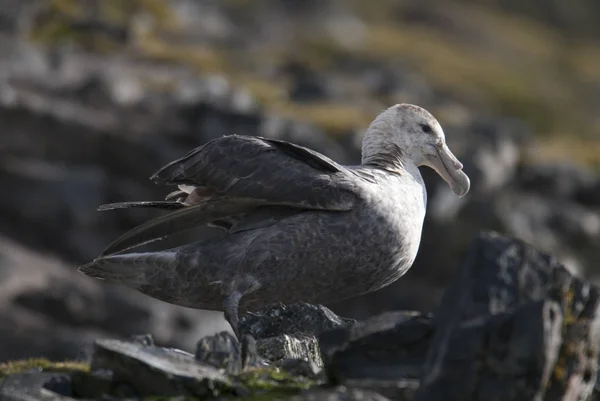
<point x="450" y="169"/>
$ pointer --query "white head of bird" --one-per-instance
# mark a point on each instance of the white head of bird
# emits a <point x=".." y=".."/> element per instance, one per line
<point x="406" y="133"/>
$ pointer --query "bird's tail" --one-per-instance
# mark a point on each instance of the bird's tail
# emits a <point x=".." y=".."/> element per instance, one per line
<point x="165" y="205"/>
<point x="128" y="268"/>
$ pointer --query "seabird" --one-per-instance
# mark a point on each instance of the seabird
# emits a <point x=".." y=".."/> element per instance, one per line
<point x="298" y="226"/>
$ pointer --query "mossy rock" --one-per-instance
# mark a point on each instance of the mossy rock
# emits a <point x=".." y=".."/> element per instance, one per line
<point x="255" y="384"/>
<point x="19" y="366"/>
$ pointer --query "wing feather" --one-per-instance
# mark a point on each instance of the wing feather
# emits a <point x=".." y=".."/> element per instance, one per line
<point x="272" y="170"/>
<point x="180" y="220"/>
<point x="236" y="175"/>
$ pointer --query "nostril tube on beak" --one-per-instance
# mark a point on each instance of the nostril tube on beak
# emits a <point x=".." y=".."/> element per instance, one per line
<point x="453" y="160"/>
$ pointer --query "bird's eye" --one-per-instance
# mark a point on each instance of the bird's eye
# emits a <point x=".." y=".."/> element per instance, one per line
<point x="426" y="128"/>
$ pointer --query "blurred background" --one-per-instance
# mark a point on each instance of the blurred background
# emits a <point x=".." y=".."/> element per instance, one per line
<point x="95" y="95"/>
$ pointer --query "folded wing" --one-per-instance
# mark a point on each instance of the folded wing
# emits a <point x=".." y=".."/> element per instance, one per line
<point x="236" y="175"/>
<point x="253" y="167"/>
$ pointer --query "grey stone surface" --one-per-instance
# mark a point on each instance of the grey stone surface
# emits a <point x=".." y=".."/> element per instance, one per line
<point x="339" y="394"/>
<point x="222" y="351"/>
<point x="150" y="370"/>
<point x="32" y="384"/>
<point x="299" y="367"/>
<point x="290" y="331"/>
<point x="94" y="384"/>
<point x="282" y="347"/>
<point x="514" y="324"/>
<point x="399" y="390"/>
<point x="42" y="395"/>
<point x="295" y="319"/>
<point x="391" y="346"/>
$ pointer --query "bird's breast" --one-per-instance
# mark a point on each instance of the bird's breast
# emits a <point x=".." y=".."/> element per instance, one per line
<point x="399" y="212"/>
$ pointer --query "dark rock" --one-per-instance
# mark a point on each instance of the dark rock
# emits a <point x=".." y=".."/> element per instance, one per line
<point x="299" y="367"/>
<point x="250" y="356"/>
<point x="295" y="319"/>
<point x="596" y="393"/>
<point x="221" y="351"/>
<point x="70" y="194"/>
<point x="43" y="385"/>
<point x="42" y="395"/>
<point x="559" y="181"/>
<point x="149" y="370"/>
<point x="388" y="347"/>
<point x="515" y="324"/>
<point x="282" y="347"/>
<point x="59" y="384"/>
<point x="589" y="194"/>
<point x="290" y="331"/>
<point x="96" y="383"/>
<point x="511" y="355"/>
<point x="339" y="394"/>
<point x="399" y="390"/>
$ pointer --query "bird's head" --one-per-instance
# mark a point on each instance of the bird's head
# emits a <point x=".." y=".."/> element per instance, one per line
<point x="406" y="133"/>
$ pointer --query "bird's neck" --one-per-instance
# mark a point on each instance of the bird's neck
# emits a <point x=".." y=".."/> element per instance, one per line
<point x="390" y="158"/>
<point x="380" y="150"/>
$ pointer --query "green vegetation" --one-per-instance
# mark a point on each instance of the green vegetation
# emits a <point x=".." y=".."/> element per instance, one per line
<point x="13" y="367"/>
<point x="273" y="378"/>
<point x="261" y="384"/>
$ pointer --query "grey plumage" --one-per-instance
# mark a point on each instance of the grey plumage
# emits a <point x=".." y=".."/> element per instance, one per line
<point x="299" y="225"/>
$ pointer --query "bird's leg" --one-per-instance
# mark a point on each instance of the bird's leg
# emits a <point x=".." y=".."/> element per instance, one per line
<point x="230" y="308"/>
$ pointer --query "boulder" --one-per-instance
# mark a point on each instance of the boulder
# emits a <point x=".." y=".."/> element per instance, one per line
<point x="151" y="370"/>
<point x="296" y="319"/>
<point x="514" y="324"/>
<point x="388" y="347"/>
<point x="291" y="331"/>
<point x="224" y="352"/>
<point x="32" y="384"/>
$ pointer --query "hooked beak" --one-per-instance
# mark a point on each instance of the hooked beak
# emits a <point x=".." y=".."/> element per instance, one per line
<point x="450" y="169"/>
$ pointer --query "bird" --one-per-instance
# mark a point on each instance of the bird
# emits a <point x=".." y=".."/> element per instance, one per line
<point x="297" y="226"/>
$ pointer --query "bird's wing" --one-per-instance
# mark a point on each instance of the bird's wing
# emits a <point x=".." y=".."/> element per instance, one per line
<point x="239" y="174"/>
<point x="274" y="171"/>
<point x="180" y="220"/>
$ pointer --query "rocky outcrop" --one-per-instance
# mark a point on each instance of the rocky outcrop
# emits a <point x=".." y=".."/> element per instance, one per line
<point x="514" y="324"/>
<point x="290" y="331"/>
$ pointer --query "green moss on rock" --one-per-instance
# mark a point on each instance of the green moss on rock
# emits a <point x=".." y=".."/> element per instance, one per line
<point x="19" y="366"/>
